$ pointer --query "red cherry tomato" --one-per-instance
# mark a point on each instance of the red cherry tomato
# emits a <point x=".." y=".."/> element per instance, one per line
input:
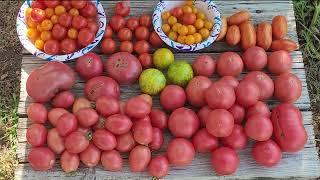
<point x="132" y="23"/>
<point x="93" y="27"/>
<point x="59" y="32"/>
<point x="85" y="37"/>
<point x="122" y="9"/>
<point x="66" y="4"/>
<point x="65" y="19"/>
<point x="124" y="34"/>
<point x="51" y="3"/>
<point x="79" y="22"/>
<point x="38" y="4"/>
<point x="108" y="46"/>
<point x="89" y="11"/>
<point x="68" y="46"/>
<point x="51" y="47"/>
<point x="126" y="46"/>
<point x="78" y="4"/>
<point x="145" y="20"/>
<point x="142" y="33"/>
<point x="145" y="60"/>
<point x="177" y="12"/>
<point x="117" y="22"/>
<point x="37" y="15"/>
<point x="108" y="32"/>
<point x="141" y="47"/>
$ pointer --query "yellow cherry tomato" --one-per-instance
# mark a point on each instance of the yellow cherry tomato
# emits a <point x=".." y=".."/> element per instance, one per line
<point x="39" y="28"/>
<point x="191" y="29"/>
<point x="31" y="23"/>
<point x="28" y="12"/>
<point x="176" y="27"/>
<point x="186" y="9"/>
<point x="46" y="35"/>
<point x="46" y="25"/>
<point x="208" y="25"/>
<point x="73" y="33"/>
<point x="204" y="33"/>
<point x="32" y="33"/>
<point x="201" y="15"/>
<point x="199" y="23"/>
<point x="172" y="20"/>
<point x="74" y="12"/>
<point x="166" y="28"/>
<point x="39" y="44"/>
<point x="197" y="38"/>
<point x="189" y="3"/>
<point x="54" y="19"/>
<point x="181" y="39"/>
<point x="49" y="12"/>
<point x="165" y="15"/>
<point x="183" y="30"/>
<point x="173" y="35"/>
<point x="194" y="10"/>
<point x="189" y="40"/>
<point x="59" y="10"/>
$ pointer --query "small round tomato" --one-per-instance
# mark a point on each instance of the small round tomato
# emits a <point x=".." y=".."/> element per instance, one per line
<point x="32" y="33"/>
<point x="145" y="60"/>
<point x="68" y="46"/>
<point x="126" y="46"/>
<point x="79" y="4"/>
<point x="177" y="12"/>
<point x="39" y="43"/>
<point x="79" y="22"/>
<point x="108" y="46"/>
<point x="89" y="11"/>
<point x="49" y="12"/>
<point x="142" y="33"/>
<point x="85" y="37"/>
<point x="46" y="35"/>
<point x="74" y="12"/>
<point x="52" y="3"/>
<point x="122" y="9"/>
<point x="141" y="47"/>
<point x="58" y="10"/>
<point x="59" y="32"/>
<point x="54" y="19"/>
<point x="189" y="18"/>
<point x="72" y="33"/>
<point x="51" y="47"/>
<point x="65" y="20"/>
<point x="145" y="20"/>
<point x="155" y="40"/>
<point x="46" y="25"/>
<point x="117" y="22"/>
<point x="37" y="4"/>
<point x="93" y="27"/>
<point x="124" y="34"/>
<point x="108" y="32"/>
<point x="31" y="23"/>
<point x="66" y="4"/>
<point x="37" y="15"/>
<point x="132" y="23"/>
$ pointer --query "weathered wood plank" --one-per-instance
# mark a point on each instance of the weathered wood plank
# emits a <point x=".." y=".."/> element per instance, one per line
<point x="261" y="11"/>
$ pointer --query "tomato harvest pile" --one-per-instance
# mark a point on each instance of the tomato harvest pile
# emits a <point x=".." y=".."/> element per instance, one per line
<point x="98" y="127"/>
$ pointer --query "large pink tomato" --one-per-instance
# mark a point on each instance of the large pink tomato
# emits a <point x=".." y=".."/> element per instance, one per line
<point x="101" y="86"/>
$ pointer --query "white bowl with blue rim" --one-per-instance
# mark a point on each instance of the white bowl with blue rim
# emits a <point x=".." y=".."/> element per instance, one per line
<point x="27" y="44"/>
<point x="205" y="6"/>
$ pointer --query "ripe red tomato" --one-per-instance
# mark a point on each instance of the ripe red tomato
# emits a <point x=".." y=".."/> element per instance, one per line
<point x="145" y="20"/>
<point x="124" y="34"/>
<point x="126" y="46"/>
<point x="189" y="18"/>
<point x="68" y="46"/>
<point x="89" y="11"/>
<point x="51" y="47"/>
<point x="79" y="22"/>
<point x="59" y="32"/>
<point x="132" y="23"/>
<point x="51" y="3"/>
<point x="142" y="33"/>
<point x="155" y="40"/>
<point x="66" y="4"/>
<point x="93" y="27"/>
<point x="108" y="32"/>
<point x="37" y="15"/>
<point x="37" y="4"/>
<point x="117" y="22"/>
<point x="85" y="37"/>
<point x="78" y="4"/>
<point x="145" y="60"/>
<point x="108" y="46"/>
<point x="177" y="12"/>
<point x="65" y="19"/>
<point x="122" y="9"/>
<point x="141" y="47"/>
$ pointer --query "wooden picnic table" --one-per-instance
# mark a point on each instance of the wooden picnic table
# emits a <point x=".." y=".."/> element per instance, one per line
<point x="304" y="164"/>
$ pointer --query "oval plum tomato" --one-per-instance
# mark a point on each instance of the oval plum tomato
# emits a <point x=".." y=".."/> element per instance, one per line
<point x="37" y="4"/>
<point x="93" y="27"/>
<point x="89" y="66"/>
<point x="77" y="142"/>
<point x="55" y="142"/>
<point x="67" y="123"/>
<point x="108" y="32"/>
<point x="36" y="135"/>
<point x="126" y="46"/>
<point x="69" y="162"/>
<point x="85" y="37"/>
<point x="38" y="15"/>
<point x="141" y="47"/>
<point x="41" y="158"/>
<point x="90" y="157"/>
<point x="122" y="9"/>
<point x="65" y="19"/>
<point x="51" y="47"/>
<point x="145" y="20"/>
<point x="117" y="22"/>
<point x="37" y="113"/>
<point x="124" y="34"/>
<point x="89" y="11"/>
<point x="142" y="33"/>
<point x="78" y="4"/>
<point x="59" y="32"/>
<point x="111" y="160"/>
<point x="79" y="22"/>
<point x="107" y="106"/>
<point x="108" y="46"/>
<point x="68" y="46"/>
<point x="177" y="12"/>
<point x="155" y="39"/>
<point x="51" y="3"/>
<point x="159" y="166"/>
<point x="145" y="60"/>
<point x="132" y="23"/>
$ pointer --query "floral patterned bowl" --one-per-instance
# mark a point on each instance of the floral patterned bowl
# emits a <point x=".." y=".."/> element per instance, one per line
<point x="22" y="30"/>
<point x="206" y="6"/>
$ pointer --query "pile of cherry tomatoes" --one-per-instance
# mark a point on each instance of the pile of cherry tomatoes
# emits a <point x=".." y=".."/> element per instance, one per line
<point x="61" y="27"/>
<point x="186" y="24"/>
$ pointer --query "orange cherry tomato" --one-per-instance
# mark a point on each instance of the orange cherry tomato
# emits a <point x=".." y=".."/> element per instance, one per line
<point x="49" y="12"/>
<point x="46" y="35"/>
<point x="46" y="25"/>
<point x="54" y="19"/>
<point x="74" y="12"/>
<point x="59" y="10"/>
<point x="73" y="33"/>
<point x="39" y="44"/>
<point x="32" y="33"/>
<point x="28" y="12"/>
<point x="31" y="23"/>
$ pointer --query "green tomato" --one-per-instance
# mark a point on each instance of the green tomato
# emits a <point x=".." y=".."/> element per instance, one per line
<point x="162" y="58"/>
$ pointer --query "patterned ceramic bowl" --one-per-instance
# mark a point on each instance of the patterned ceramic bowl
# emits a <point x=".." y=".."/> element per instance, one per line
<point x="22" y="29"/>
<point x="206" y="6"/>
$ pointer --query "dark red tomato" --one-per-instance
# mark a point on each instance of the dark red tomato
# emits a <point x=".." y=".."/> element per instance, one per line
<point x="68" y="46"/>
<point x="142" y="33"/>
<point x="145" y="60"/>
<point x="124" y="34"/>
<point x="59" y="32"/>
<point x="155" y="39"/>
<point x="132" y="23"/>
<point x="89" y="66"/>
<point x="108" y="32"/>
<point x="66" y="4"/>
<point x="51" y="3"/>
<point x="51" y="47"/>
<point x="122" y="9"/>
<point x="141" y="47"/>
<point x="85" y="37"/>
<point x="65" y="19"/>
<point x="126" y="46"/>
<point x="37" y="15"/>
<point x="89" y="11"/>
<point x="108" y="46"/>
<point x="79" y="22"/>
<point x="78" y="4"/>
<point x="145" y="20"/>
<point x="37" y="4"/>
<point x="117" y="22"/>
<point x="93" y="27"/>
<point x="177" y="12"/>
